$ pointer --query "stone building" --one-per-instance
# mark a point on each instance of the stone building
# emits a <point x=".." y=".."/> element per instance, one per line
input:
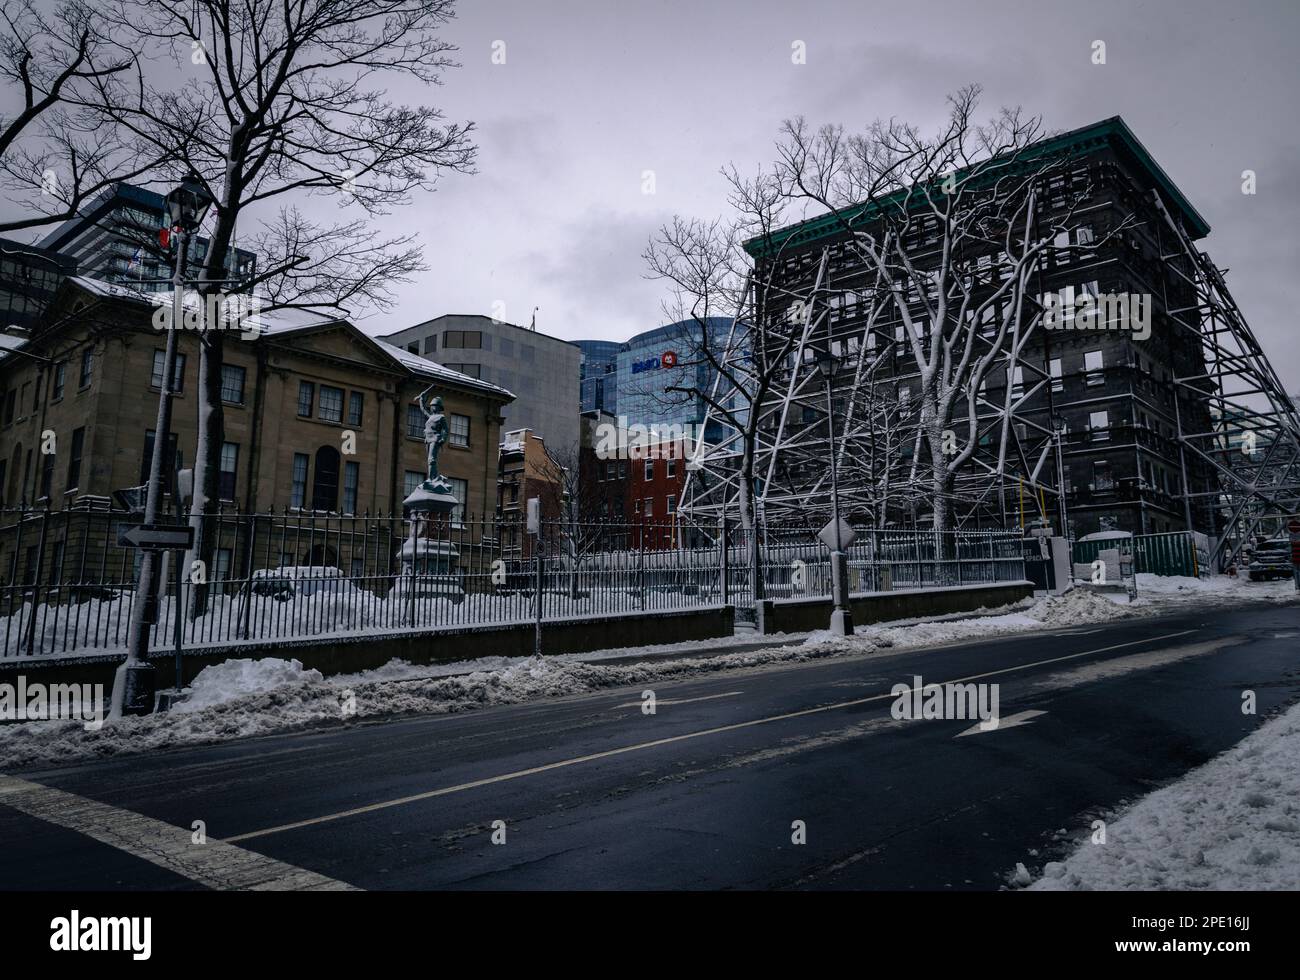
<point x="321" y="426"/>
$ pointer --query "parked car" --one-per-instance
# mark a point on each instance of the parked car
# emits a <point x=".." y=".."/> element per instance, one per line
<point x="288" y="581"/>
<point x="1270" y="559"/>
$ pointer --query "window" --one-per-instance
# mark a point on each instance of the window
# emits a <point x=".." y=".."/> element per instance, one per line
<point x="1099" y="425"/>
<point x="331" y="403"/>
<point x="298" y="494"/>
<point x="527" y="353"/>
<point x="671" y="464"/>
<point x="1102" y="479"/>
<point x="458" y="430"/>
<point x="306" y="395"/>
<point x="431" y="343"/>
<point x="156" y="378"/>
<point x="471" y="370"/>
<point x="170" y="463"/>
<point x="229" y="465"/>
<point x="325" y="482"/>
<point x="357" y="568"/>
<point x="507" y="347"/>
<point x="56" y="564"/>
<point x="672" y="503"/>
<point x="1054" y="369"/>
<point x="649" y="469"/>
<point x="415" y="422"/>
<point x="232" y="384"/>
<point x="224" y="560"/>
<point x="410" y="480"/>
<point x="87" y="367"/>
<point x="459" y="490"/>
<point x="1092" y="366"/>
<point x="351" y="476"/>
<point x="60" y="379"/>
<point x="11" y="399"/>
<point x="74" y="459"/>
<point x="47" y="474"/>
<point x="649" y="509"/>
<point x="356" y="404"/>
<point x="462" y="340"/>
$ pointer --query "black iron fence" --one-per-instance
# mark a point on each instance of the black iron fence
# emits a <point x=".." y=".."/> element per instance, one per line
<point x="67" y="586"/>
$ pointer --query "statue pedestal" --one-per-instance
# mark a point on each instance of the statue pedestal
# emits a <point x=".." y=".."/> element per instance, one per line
<point x="432" y="497"/>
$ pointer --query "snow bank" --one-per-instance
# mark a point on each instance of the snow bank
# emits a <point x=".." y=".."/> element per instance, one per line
<point x="280" y="704"/>
<point x="1234" y="823"/>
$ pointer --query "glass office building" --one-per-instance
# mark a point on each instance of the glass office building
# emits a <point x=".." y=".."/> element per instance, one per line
<point x="597" y="375"/>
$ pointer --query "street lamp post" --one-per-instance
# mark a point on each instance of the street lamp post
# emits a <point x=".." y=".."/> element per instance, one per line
<point x="1058" y="434"/>
<point x="134" y="683"/>
<point x="841" y="615"/>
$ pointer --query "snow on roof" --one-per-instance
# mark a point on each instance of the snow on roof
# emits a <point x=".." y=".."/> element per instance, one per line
<point x="281" y="322"/>
<point x="435" y="371"/>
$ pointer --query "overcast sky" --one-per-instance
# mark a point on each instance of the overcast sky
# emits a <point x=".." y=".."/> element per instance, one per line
<point x="593" y="93"/>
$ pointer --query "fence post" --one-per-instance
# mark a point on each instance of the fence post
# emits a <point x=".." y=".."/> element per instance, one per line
<point x="726" y="560"/>
<point x="36" y="584"/>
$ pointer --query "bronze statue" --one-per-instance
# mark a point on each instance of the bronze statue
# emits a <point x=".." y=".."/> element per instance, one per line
<point x="435" y="431"/>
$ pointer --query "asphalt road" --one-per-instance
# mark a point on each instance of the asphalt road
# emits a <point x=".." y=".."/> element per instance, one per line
<point x="593" y="793"/>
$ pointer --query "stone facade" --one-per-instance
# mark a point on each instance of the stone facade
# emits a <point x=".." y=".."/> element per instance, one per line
<point x="317" y="415"/>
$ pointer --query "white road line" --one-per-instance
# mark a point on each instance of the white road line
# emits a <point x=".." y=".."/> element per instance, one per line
<point x="216" y="864"/>
<point x="1080" y="632"/>
<point x="609" y="753"/>
<point x="660" y="704"/>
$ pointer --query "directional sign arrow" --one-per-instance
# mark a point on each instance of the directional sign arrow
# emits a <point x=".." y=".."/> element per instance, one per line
<point x="157" y="538"/>
<point x="997" y="724"/>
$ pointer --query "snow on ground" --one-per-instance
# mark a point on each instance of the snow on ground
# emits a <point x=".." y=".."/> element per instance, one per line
<point x="242" y="698"/>
<point x="294" y="699"/>
<point x="1234" y="823"/>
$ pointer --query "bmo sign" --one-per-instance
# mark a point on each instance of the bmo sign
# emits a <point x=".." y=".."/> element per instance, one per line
<point x="668" y="359"/>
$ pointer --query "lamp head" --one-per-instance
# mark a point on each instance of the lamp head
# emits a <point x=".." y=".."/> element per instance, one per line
<point x="188" y="204"/>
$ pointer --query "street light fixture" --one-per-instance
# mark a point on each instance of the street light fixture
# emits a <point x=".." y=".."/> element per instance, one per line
<point x="135" y="683"/>
<point x="841" y="615"/>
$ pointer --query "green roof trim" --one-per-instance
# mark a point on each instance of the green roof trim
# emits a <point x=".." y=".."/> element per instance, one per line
<point x="1113" y="131"/>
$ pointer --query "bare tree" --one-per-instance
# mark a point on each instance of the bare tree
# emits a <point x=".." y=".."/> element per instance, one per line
<point x="576" y="506"/>
<point x="956" y="225"/>
<point x="285" y="101"/>
<point x="709" y="275"/>
<point x="59" y="150"/>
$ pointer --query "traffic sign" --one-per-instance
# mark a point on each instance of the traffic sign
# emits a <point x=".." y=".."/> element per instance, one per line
<point x="152" y="537"/>
<point x="847" y="534"/>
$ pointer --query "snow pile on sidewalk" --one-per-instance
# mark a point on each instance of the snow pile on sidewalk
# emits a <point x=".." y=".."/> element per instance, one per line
<point x="296" y="699"/>
<point x="1234" y="823"/>
<point x="1075" y="608"/>
<point x="1217" y="589"/>
<point x="237" y="678"/>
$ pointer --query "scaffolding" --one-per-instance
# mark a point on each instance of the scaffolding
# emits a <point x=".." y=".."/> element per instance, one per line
<point x="1252" y="441"/>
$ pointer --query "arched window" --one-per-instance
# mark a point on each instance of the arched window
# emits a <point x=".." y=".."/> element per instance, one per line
<point x="325" y="488"/>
